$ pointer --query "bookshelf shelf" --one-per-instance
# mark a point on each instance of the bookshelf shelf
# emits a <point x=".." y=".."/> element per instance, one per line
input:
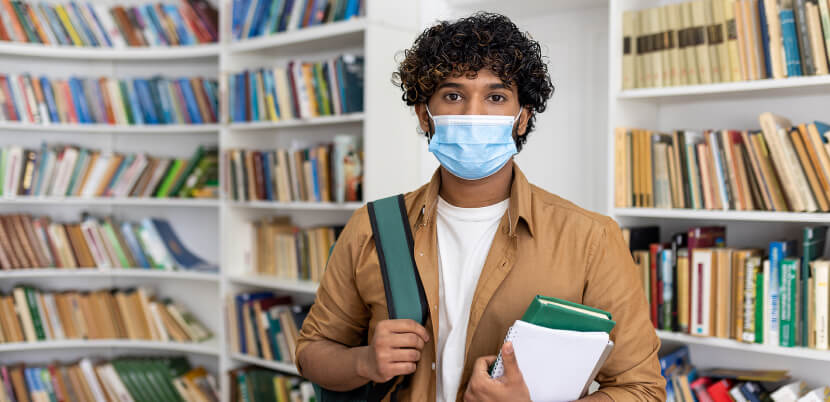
<point x="39" y="273"/>
<point x="795" y="352"/>
<point x="209" y="348"/>
<point x="297" y="205"/>
<point x="112" y="129"/>
<point x="274" y="283"/>
<point x="798" y="85"/>
<point x="698" y="215"/>
<point x="120" y="201"/>
<point x="343" y="30"/>
<point x="317" y="121"/>
<point x="287" y="368"/>
<point x="109" y="54"/>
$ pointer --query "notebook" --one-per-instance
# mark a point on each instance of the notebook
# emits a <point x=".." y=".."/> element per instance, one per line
<point x="557" y="365"/>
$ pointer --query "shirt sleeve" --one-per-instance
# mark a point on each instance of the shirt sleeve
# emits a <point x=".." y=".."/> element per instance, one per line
<point x="338" y="313"/>
<point x="632" y="371"/>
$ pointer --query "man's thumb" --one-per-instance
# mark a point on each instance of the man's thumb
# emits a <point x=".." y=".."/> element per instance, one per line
<point x="511" y="366"/>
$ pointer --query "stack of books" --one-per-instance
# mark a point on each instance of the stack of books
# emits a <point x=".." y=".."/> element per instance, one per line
<point x="27" y="242"/>
<point x="685" y="383"/>
<point x="298" y="90"/>
<point x="264" y="325"/>
<point x="712" y="41"/>
<point x="252" y="18"/>
<point x="697" y="285"/>
<point x="157" y="100"/>
<point x="67" y="170"/>
<point x="31" y="315"/>
<point x="283" y="250"/>
<point x="782" y="167"/>
<point x="260" y="385"/>
<point x="322" y="173"/>
<point x="121" y="379"/>
<point x="98" y="25"/>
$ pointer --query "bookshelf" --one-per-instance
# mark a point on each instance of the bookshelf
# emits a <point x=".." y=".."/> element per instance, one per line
<point x="733" y="105"/>
<point x="385" y="29"/>
<point x="195" y="220"/>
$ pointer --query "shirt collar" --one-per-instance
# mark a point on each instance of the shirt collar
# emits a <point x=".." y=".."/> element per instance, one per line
<point x="520" y="200"/>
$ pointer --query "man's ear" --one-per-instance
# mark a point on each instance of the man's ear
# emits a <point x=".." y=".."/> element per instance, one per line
<point x="521" y="129"/>
<point x="423" y="118"/>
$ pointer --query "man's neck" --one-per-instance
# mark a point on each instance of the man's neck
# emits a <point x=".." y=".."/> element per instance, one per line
<point x="477" y="193"/>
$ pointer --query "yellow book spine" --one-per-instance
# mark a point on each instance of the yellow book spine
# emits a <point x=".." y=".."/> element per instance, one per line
<point x="272" y="108"/>
<point x="68" y="25"/>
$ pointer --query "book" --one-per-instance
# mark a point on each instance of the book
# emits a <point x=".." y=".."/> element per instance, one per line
<point x="256" y="18"/>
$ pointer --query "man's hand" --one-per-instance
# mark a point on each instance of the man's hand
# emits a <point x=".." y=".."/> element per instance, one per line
<point x="510" y="387"/>
<point x="395" y="349"/>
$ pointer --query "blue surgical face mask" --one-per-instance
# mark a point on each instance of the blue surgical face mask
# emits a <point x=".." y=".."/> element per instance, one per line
<point x="473" y="147"/>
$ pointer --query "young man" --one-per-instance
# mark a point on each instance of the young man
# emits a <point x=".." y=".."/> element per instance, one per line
<point x="485" y="240"/>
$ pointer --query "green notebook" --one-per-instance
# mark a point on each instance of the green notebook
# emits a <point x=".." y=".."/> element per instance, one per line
<point x="553" y="313"/>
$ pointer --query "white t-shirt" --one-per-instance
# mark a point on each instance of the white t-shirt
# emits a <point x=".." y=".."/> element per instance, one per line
<point x="464" y="239"/>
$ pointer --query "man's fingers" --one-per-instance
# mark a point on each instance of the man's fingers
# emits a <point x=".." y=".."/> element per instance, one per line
<point x="511" y="366"/>
<point x="408" y="326"/>
<point x="406" y="340"/>
<point x="482" y="364"/>
<point x="404" y="355"/>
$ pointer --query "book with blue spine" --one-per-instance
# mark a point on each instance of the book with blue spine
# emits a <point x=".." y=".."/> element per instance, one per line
<point x="271" y="90"/>
<point x="81" y="106"/>
<point x="134" y="245"/>
<point x="32" y="380"/>
<point x="166" y="103"/>
<point x="667" y="270"/>
<point x="50" y="99"/>
<point x="286" y="15"/>
<point x="181" y="255"/>
<point x="190" y="101"/>
<point x="213" y="100"/>
<point x="135" y="107"/>
<point x="765" y="39"/>
<point x="81" y="27"/>
<point x="273" y="17"/>
<point x="145" y="101"/>
<point x="46" y="382"/>
<point x="266" y="174"/>
<point x="157" y="32"/>
<point x="252" y="83"/>
<point x="104" y="34"/>
<point x="778" y="251"/>
<point x="790" y="38"/>
<point x="242" y="299"/>
<point x="99" y="98"/>
<point x="155" y="98"/>
<point x="185" y="38"/>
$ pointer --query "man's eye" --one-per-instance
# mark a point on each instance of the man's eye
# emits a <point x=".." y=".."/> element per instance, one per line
<point x="497" y="98"/>
<point x="452" y="97"/>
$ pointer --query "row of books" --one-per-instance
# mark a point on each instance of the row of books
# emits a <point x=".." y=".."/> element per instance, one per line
<point x="695" y="284"/>
<point x="31" y="315"/>
<point x="298" y="90"/>
<point x="157" y="100"/>
<point x="322" y="173"/>
<point x="685" y="383"/>
<point x="264" y="325"/>
<point x="255" y="384"/>
<point x="28" y="242"/>
<point x="782" y="167"/>
<point x="139" y="379"/>
<point x="283" y="250"/>
<point x="712" y="41"/>
<point x="66" y="170"/>
<point x="97" y="25"/>
<point x="252" y="18"/>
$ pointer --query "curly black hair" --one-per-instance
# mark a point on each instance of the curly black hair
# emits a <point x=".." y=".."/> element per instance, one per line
<point x="465" y="46"/>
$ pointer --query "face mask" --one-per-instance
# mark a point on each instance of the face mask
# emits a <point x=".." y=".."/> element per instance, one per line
<point x="473" y="147"/>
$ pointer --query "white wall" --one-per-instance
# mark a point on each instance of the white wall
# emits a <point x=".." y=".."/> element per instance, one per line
<point x="566" y="153"/>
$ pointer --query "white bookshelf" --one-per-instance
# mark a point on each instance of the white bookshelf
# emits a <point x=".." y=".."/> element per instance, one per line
<point x="196" y="221"/>
<point x="93" y="53"/>
<point x="726" y="105"/>
<point x="111" y="128"/>
<point x="387" y="28"/>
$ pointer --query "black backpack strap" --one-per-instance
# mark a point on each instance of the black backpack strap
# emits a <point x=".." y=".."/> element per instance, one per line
<point x="405" y="296"/>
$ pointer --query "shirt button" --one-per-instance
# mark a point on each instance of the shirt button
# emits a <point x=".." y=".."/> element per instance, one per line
<point x="421" y="254"/>
<point x="433" y="366"/>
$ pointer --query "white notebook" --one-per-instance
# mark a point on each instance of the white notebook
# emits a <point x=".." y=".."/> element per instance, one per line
<point x="557" y="365"/>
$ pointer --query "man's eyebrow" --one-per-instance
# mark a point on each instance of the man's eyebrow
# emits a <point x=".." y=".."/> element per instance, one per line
<point x="499" y="85"/>
<point x="449" y="85"/>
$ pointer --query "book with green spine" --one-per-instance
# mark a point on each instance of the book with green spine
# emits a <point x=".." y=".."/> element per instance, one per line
<point x="550" y="312"/>
<point x="172" y="174"/>
<point x="759" y="307"/>
<point x="790" y="279"/>
<point x="136" y="390"/>
<point x="116" y="245"/>
<point x="815" y="239"/>
<point x="242" y="380"/>
<point x="274" y="329"/>
<point x="188" y="169"/>
<point x="125" y="100"/>
<point x="31" y="300"/>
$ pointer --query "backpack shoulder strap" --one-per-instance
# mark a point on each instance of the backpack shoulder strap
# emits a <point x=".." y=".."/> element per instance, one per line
<point x="405" y="297"/>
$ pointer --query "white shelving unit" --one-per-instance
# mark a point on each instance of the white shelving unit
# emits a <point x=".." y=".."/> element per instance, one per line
<point x="196" y="221"/>
<point x="727" y="105"/>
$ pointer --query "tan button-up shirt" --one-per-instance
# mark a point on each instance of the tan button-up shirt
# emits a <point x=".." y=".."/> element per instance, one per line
<point x="544" y="245"/>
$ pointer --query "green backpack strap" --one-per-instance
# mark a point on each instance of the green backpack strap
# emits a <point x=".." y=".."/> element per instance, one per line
<point x="405" y="296"/>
